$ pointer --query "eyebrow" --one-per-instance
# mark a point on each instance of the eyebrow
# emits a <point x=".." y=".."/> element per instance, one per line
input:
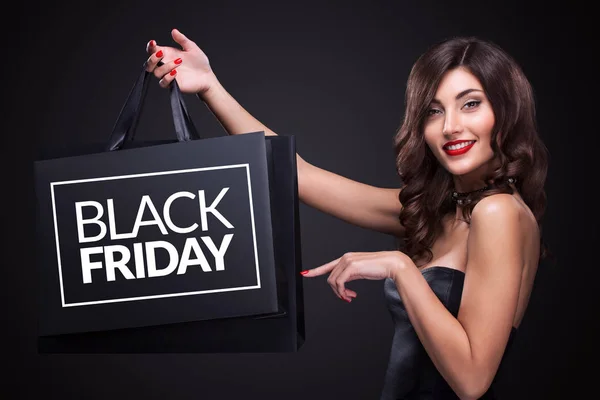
<point x="458" y="96"/>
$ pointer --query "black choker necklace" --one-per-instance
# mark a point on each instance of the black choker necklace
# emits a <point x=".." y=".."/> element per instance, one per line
<point x="462" y="198"/>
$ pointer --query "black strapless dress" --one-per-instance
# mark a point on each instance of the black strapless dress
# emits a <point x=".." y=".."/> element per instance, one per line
<point x="411" y="375"/>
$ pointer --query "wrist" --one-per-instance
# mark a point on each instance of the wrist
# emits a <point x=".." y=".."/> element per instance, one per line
<point x="400" y="267"/>
<point x="213" y="90"/>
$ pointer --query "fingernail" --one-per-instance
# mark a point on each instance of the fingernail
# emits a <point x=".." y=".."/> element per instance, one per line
<point x="348" y="300"/>
<point x="178" y="61"/>
<point x="172" y="73"/>
<point x="159" y="54"/>
<point x="304" y="272"/>
<point x="152" y="43"/>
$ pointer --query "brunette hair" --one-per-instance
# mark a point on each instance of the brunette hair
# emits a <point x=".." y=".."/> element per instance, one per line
<point x="427" y="188"/>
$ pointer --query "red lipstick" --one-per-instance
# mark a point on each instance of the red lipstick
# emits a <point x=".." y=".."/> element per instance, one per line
<point x="460" y="151"/>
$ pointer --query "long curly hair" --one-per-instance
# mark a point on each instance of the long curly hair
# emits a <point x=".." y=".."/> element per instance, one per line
<point x="427" y="186"/>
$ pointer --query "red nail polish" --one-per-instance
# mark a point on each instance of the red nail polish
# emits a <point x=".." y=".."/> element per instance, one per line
<point x="159" y="54"/>
<point x="304" y="272"/>
<point x="152" y="43"/>
<point x="172" y="73"/>
<point x="178" y="61"/>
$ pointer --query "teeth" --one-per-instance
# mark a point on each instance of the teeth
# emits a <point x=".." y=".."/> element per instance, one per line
<point x="460" y="145"/>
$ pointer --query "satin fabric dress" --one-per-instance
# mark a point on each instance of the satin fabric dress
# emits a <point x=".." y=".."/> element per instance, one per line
<point x="411" y="375"/>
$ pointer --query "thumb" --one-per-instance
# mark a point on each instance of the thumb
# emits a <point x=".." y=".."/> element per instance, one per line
<point x="182" y="40"/>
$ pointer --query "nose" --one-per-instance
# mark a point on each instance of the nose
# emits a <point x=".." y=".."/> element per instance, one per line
<point x="452" y="124"/>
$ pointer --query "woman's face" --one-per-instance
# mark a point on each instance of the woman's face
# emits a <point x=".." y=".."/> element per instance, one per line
<point x="458" y="126"/>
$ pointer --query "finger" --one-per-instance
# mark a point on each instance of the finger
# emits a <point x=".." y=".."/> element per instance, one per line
<point x="166" y="80"/>
<point x="164" y="68"/>
<point x="344" y="273"/>
<point x="323" y="269"/>
<point x="182" y="40"/>
<point x="338" y="284"/>
<point x="153" y="61"/>
<point x="349" y="274"/>
<point x="332" y="284"/>
<point x="151" y="47"/>
<point x="332" y="280"/>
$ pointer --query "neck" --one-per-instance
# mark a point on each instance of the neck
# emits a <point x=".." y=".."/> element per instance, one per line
<point x="475" y="179"/>
<point x="464" y="185"/>
<point x="464" y="198"/>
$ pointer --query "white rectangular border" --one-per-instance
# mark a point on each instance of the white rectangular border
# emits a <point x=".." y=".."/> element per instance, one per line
<point x="62" y="293"/>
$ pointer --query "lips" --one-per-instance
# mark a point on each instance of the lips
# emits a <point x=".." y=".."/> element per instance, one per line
<point x="459" y="151"/>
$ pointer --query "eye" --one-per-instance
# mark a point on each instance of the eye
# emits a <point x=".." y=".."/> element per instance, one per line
<point x="472" y="103"/>
<point x="433" y="111"/>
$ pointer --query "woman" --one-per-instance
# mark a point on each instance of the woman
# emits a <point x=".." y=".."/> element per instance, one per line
<point x="468" y="214"/>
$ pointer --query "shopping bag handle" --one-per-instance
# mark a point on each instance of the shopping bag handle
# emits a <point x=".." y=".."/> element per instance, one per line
<point x="126" y="123"/>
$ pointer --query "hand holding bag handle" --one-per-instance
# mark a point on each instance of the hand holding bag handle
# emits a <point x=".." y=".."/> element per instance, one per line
<point x="124" y="128"/>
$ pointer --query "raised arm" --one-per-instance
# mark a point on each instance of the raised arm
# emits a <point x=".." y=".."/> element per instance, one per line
<point x="354" y="202"/>
<point x="357" y="203"/>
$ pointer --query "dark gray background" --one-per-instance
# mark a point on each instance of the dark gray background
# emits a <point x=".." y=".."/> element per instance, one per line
<point x="334" y="75"/>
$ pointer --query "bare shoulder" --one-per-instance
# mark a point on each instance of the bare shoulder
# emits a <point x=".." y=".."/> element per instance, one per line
<point x="504" y="212"/>
<point x="501" y="206"/>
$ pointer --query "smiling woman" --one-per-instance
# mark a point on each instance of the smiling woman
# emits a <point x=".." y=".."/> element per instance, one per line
<point x="455" y="123"/>
<point x="466" y="89"/>
<point x="469" y="211"/>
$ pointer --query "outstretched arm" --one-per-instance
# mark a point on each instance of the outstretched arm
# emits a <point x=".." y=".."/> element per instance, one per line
<point x="354" y="202"/>
<point x="360" y="204"/>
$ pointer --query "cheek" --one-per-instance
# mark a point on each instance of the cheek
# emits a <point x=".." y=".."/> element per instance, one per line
<point x="484" y="124"/>
<point x="429" y="136"/>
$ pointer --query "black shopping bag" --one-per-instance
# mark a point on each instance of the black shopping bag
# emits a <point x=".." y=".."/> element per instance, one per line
<point x="177" y="246"/>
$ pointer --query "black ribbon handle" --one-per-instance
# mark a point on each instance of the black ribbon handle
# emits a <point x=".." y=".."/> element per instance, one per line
<point x="126" y="123"/>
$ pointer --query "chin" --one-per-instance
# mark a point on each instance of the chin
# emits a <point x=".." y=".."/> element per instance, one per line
<point x="467" y="163"/>
<point x="460" y="169"/>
